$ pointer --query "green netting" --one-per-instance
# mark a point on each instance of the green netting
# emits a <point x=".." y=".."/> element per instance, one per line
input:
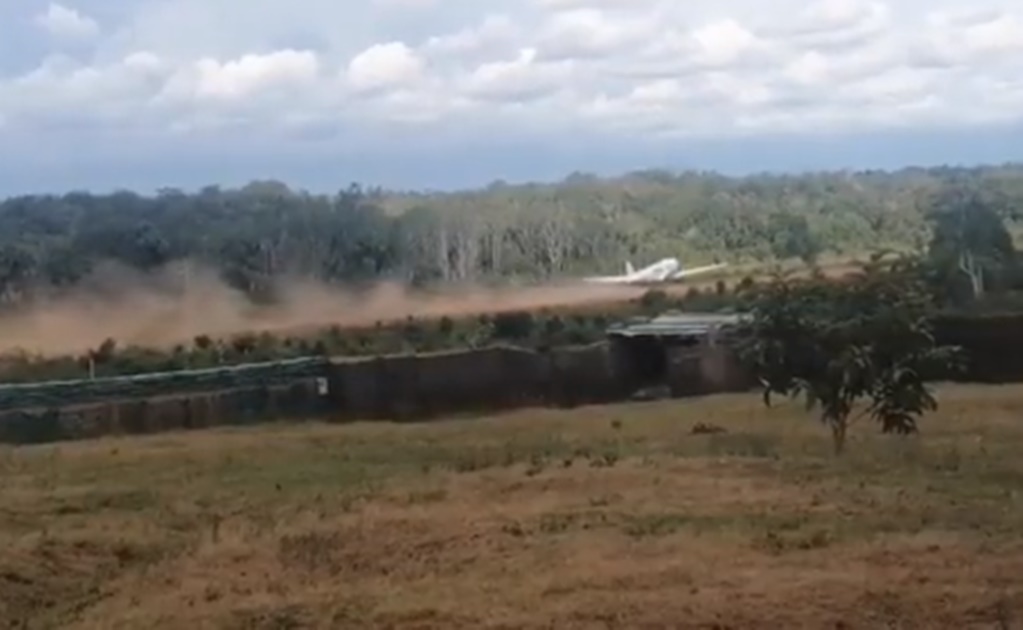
<point x="52" y="394"/>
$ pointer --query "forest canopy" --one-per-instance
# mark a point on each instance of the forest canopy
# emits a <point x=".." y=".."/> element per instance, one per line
<point x="266" y="230"/>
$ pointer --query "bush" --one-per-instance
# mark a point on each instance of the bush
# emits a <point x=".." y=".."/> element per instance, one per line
<point x="654" y="300"/>
<point x="514" y="325"/>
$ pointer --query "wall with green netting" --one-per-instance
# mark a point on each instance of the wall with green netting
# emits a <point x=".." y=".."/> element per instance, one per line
<point x="405" y="387"/>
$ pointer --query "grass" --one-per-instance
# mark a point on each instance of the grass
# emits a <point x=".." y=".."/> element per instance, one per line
<point x="614" y="516"/>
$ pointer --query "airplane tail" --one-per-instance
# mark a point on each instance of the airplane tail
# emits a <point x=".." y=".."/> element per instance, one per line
<point x="629" y="268"/>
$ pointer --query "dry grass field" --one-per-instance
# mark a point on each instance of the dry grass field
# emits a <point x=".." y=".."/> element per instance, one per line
<point x="609" y="517"/>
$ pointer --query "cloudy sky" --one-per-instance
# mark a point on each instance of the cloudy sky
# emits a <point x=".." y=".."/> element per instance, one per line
<point x="101" y="94"/>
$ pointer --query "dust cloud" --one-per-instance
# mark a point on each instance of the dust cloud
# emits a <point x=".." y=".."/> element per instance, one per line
<point x="178" y="303"/>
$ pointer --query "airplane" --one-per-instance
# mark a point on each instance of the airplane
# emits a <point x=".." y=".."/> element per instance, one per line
<point x="664" y="270"/>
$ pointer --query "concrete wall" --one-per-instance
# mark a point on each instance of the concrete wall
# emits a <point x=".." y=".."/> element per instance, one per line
<point x="404" y="387"/>
<point x="989" y="343"/>
<point x="412" y="386"/>
<point x="417" y="386"/>
<point x="166" y="413"/>
<point x="709" y="367"/>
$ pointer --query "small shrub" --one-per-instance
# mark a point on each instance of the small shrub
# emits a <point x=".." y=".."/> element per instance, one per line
<point x="654" y="300"/>
<point x="514" y="325"/>
<point x="607" y="459"/>
<point x="777" y="543"/>
<point x="743" y="445"/>
<point x="703" y="428"/>
<point x="514" y="529"/>
<point x="446" y="326"/>
<point x="649" y="525"/>
<point x="537" y="463"/>
<point x="426" y="496"/>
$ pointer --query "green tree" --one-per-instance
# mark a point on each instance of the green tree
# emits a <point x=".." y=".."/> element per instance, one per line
<point x="839" y="344"/>
<point x="791" y="238"/>
<point x="514" y="325"/>
<point x="256" y="235"/>
<point x="970" y="244"/>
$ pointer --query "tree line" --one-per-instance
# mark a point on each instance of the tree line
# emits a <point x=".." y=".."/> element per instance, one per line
<point x="261" y="232"/>
<point x="859" y="346"/>
<point x="967" y="261"/>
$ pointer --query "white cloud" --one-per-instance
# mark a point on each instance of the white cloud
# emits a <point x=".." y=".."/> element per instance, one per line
<point x="638" y="67"/>
<point x="251" y="74"/>
<point x="383" y="66"/>
<point x="724" y="42"/>
<point x="495" y="35"/>
<point x="838" y="23"/>
<point x="998" y="34"/>
<point x="590" y="32"/>
<point x="66" y="23"/>
<point x="63" y="91"/>
<point x="519" y="79"/>
<point x="406" y="4"/>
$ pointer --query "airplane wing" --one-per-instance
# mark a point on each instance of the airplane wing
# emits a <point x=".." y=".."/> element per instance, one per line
<point x="662" y="276"/>
<point x="685" y="273"/>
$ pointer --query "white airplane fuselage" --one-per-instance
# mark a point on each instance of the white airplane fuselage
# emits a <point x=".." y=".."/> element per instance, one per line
<point x="664" y="270"/>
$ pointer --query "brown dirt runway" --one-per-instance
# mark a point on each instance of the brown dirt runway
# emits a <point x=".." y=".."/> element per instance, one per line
<point x="160" y="310"/>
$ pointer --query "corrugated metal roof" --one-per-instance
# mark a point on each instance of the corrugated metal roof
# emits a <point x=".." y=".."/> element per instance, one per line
<point x="675" y="325"/>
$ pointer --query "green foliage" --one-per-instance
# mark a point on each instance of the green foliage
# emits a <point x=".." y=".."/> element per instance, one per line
<point x="971" y="250"/>
<point x="654" y="301"/>
<point x="791" y="237"/>
<point x="516" y="325"/>
<point x="256" y="235"/>
<point x="837" y="344"/>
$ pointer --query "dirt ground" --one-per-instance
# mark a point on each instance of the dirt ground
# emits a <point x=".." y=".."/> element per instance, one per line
<point x="609" y="517"/>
